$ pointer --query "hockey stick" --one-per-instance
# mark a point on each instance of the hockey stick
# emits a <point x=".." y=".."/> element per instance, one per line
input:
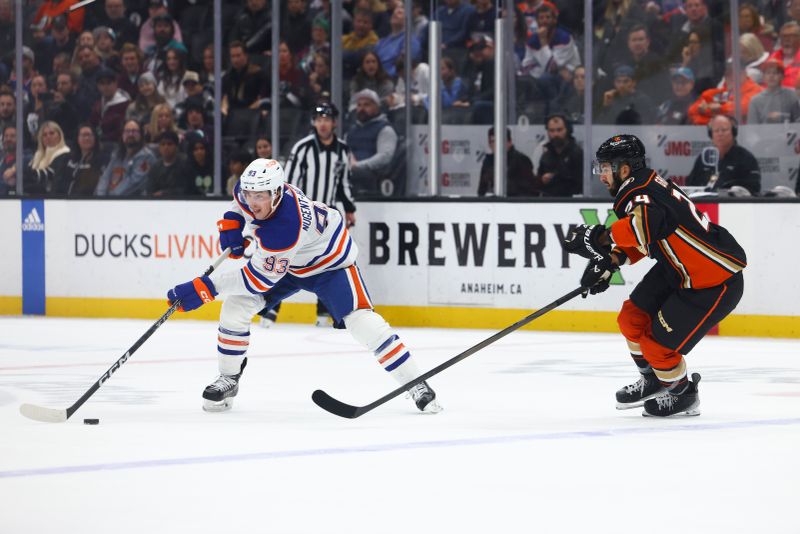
<point x="79" y="5"/>
<point x="336" y="407"/>
<point x="55" y="415"/>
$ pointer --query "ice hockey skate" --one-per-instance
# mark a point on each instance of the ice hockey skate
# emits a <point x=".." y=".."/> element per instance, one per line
<point x="425" y="398"/>
<point x="635" y="395"/>
<point x="218" y="396"/>
<point x="668" y="404"/>
<point x="267" y="320"/>
<point x="324" y="321"/>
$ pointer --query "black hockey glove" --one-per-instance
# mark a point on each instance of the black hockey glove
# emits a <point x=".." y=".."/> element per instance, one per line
<point x="586" y="241"/>
<point x="597" y="276"/>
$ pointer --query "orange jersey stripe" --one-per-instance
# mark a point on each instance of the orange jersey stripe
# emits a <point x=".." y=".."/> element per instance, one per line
<point x="327" y="260"/>
<point x="363" y="301"/>
<point x="255" y="281"/>
<point x="702" y="270"/>
<point x="397" y="349"/>
<point x="714" y="307"/>
<point x="671" y="261"/>
<point x="232" y="342"/>
<point x="706" y="244"/>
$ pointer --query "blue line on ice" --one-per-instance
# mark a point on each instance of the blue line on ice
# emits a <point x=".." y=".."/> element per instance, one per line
<point x="388" y="447"/>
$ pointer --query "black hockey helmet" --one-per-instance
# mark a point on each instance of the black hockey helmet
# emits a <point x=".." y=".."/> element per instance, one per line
<point x="325" y="109"/>
<point x="620" y="149"/>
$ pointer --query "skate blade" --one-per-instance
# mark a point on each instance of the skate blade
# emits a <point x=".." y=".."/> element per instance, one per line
<point x="432" y="408"/>
<point x="623" y="406"/>
<point x="639" y="403"/>
<point x="691" y="412"/>
<point x="217" y="406"/>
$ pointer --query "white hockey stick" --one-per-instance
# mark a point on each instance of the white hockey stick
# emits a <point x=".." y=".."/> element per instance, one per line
<point x="55" y="415"/>
<point x="79" y="5"/>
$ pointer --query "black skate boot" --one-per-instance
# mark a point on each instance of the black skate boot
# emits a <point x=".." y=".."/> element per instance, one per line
<point x="667" y="404"/>
<point x="218" y="396"/>
<point x="634" y="395"/>
<point x="425" y="398"/>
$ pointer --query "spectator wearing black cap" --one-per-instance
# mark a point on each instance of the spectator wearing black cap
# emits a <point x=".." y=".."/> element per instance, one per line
<point x="675" y="110"/>
<point x="108" y="113"/>
<point x="168" y="177"/>
<point x="479" y="77"/>
<point x="147" y="37"/>
<point x="624" y="104"/>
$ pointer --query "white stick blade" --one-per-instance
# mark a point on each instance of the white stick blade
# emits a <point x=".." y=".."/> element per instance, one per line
<point x="45" y="415"/>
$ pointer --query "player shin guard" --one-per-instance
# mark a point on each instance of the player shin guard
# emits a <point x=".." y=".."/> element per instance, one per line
<point x="231" y="347"/>
<point x="674" y="380"/>
<point x="638" y="358"/>
<point x="372" y="331"/>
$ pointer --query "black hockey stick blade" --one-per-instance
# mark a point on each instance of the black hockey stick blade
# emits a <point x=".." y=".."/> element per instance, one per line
<point x="337" y="407"/>
<point x="55" y="415"/>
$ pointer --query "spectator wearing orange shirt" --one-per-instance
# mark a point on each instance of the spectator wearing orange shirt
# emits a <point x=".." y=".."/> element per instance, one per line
<point x="788" y="52"/>
<point x="720" y="101"/>
<point x="50" y="9"/>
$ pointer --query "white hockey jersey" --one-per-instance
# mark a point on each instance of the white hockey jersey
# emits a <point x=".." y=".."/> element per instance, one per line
<point x="301" y="238"/>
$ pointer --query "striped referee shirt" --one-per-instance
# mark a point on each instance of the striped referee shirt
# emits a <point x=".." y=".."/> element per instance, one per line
<point x="322" y="172"/>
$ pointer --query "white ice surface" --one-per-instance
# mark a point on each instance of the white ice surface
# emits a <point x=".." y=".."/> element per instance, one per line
<point x="529" y="441"/>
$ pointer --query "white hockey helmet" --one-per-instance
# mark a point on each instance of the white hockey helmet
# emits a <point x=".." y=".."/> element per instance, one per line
<point x="264" y="175"/>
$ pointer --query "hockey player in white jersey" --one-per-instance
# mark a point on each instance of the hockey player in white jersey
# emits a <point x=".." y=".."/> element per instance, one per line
<point x="299" y="244"/>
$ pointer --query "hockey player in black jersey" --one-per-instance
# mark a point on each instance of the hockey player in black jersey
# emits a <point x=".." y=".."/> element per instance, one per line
<point x="695" y="283"/>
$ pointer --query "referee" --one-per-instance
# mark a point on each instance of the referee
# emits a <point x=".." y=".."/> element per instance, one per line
<point x="319" y="165"/>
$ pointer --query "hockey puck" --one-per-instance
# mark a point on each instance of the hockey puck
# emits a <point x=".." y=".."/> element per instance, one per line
<point x="91" y="421"/>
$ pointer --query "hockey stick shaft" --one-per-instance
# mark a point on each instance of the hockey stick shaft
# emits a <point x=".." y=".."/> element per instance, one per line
<point x="336" y="407"/>
<point x="54" y="415"/>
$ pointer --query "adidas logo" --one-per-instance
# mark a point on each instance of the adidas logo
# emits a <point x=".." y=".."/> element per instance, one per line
<point x="33" y="222"/>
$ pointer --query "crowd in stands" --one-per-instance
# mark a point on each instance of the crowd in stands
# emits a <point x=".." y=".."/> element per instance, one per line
<point x="119" y="95"/>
